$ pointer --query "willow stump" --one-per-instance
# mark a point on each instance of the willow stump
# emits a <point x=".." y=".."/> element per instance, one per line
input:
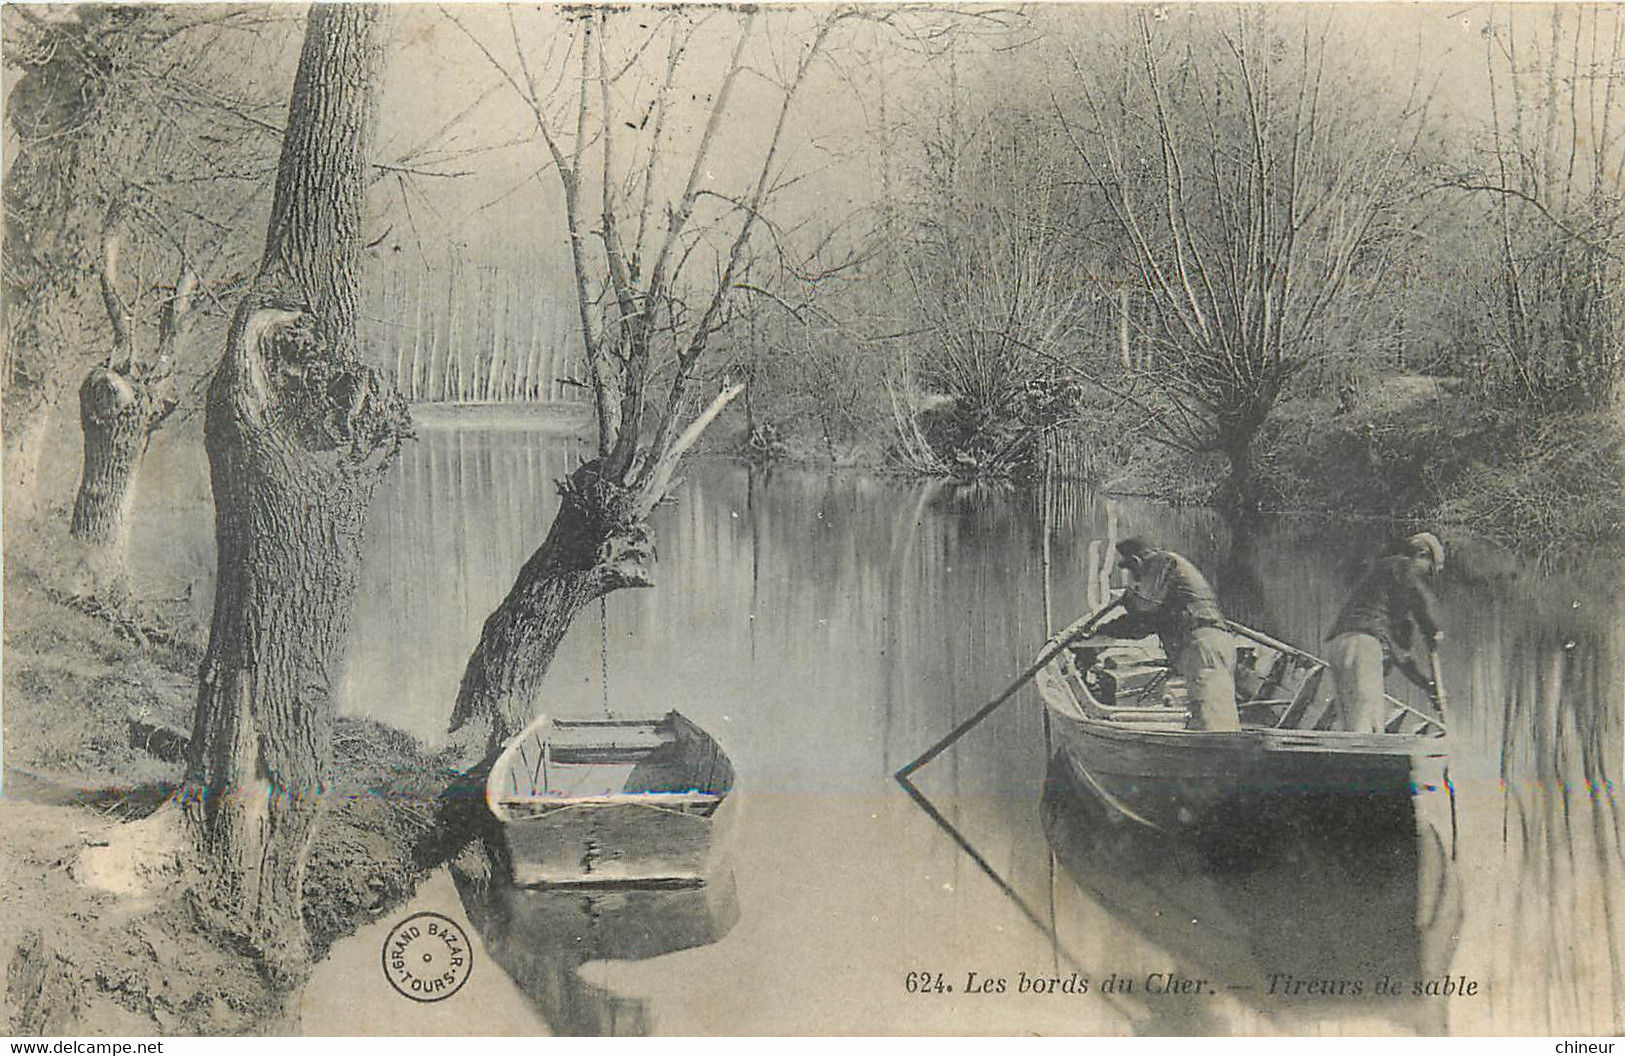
<point x="117" y="414"/>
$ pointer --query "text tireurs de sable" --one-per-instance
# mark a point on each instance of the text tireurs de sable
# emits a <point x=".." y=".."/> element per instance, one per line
<point x="1169" y="983"/>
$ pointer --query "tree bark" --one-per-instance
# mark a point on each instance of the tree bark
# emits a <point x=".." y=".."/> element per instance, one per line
<point x="1239" y="491"/>
<point x="599" y="542"/>
<point x="117" y="413"/>
<point x="298" y="431"/>
<point x="26" y="423"/>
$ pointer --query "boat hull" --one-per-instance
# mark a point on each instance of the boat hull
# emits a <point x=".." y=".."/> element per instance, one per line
<point x="615" y="843"/>
<point x="1255" y="783"/>
<point x="612" y="801"/>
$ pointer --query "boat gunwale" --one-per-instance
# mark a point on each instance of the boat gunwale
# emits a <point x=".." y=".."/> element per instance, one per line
<point x="652" y="800"/>
<point x="1268" y="739"/>
<point x="498" y="802"/>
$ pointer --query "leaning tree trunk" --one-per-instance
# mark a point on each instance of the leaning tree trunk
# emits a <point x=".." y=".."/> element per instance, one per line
<point x="599" y="542"/>
<point x="298" y="431"/>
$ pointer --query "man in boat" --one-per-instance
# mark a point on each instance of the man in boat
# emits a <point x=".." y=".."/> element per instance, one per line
<point x="1374" y="631"/>
<point x="1171" y="598"/>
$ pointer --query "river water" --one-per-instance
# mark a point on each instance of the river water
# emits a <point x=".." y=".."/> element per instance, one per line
<point x="826" y="628"/>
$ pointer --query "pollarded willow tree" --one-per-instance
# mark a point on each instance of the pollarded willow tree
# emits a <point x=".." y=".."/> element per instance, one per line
<point x="298" y="431"/>
<point x="122" y="401"/>
<point x="658" y="245"/>
<point x="1000" y="291"/>
<point x="134" y="167"/>
<point x="1252" y="178"/>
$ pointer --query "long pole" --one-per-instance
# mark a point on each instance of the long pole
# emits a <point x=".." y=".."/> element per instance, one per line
<point x="1438" y="680"/>
<point x="1061" y="641"/>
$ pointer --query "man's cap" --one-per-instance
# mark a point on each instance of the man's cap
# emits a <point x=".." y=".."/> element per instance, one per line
<point x="1134" y="546"/>
<point x="1426" y="544"/>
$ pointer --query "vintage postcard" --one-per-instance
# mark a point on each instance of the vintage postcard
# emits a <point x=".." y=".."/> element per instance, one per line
<point x="813" y="519"/>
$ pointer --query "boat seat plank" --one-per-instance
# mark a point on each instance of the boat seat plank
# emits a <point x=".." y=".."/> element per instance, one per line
<point x="582" y="724"/>
<point x="701" y="803"/>
<point x="1309" y="713"/>
<point x="594" y="754"/>
<point x="630" y="736"/>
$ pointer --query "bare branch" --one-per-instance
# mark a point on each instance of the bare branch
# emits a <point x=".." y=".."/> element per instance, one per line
<point x="118" y="312"/>
<point x="658" y="479"/>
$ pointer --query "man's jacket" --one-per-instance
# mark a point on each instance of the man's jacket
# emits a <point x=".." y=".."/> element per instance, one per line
<point x="1170" y="598"/>
<point x="1385" y="602"/>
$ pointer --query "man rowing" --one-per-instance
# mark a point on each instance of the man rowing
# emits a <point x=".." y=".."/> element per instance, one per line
<point x="1171" y="598"/>
<point x="1373" y="632"/>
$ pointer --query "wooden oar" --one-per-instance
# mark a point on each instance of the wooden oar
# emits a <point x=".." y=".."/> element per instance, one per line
<point x="1077" y="630"/>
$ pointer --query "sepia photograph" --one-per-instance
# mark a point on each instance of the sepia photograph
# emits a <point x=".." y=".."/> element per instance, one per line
<point x="806" y="519"/>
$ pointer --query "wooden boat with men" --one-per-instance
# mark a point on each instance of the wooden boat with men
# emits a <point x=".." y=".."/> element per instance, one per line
<point x="611" y="801"/>
<point x="1118" y="719"/>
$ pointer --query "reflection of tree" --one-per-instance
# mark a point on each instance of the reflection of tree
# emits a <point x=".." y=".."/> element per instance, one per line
<point x="1560" y="867"/>
<point x="894" y="642"/>
<point x="1239" y="582"/>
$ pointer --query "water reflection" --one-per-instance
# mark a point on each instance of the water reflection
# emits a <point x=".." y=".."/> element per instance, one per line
<point x="543" y="936"/>
<point x="1301" y="936"/>
<point x="828" y="627"/>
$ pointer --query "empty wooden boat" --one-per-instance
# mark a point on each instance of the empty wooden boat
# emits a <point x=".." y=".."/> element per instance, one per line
<point x="595" y="801"/>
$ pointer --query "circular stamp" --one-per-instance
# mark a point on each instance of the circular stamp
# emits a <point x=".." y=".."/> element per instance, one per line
<point x="427" y="957"/>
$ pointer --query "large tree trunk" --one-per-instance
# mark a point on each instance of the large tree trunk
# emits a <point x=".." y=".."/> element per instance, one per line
<point x="1240" y="491"/>
<point x="298" y="432"/>
<point x="598" y="543"/>
<point x="27" y="420"/>
<point x="117" y="414"/>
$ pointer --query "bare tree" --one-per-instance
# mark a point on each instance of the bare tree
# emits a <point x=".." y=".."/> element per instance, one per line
<point x="121" y="403"/>
<point x="658" y="252"/>
<point x="298" y="431"/>
<point x="1551" y="176"/>
<point x="115" y="114"/>
<point x="1249" y="186"/>
<point x="999" y="292"/>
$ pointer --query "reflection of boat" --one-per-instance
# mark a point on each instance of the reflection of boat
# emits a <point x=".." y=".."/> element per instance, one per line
<point x="1118" y="718"/>
<point x="542" y="936"/>
<point x="610" y="800"/>
<point x="1283" y="933"/>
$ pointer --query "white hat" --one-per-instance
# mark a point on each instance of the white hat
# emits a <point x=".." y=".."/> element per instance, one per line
<point x="1426" y="544"/>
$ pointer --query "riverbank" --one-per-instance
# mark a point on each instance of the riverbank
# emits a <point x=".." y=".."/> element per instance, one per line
<point x="1547" y="486"/>
<point x="96" y="713"/>
<point x="1412" y="449"/>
